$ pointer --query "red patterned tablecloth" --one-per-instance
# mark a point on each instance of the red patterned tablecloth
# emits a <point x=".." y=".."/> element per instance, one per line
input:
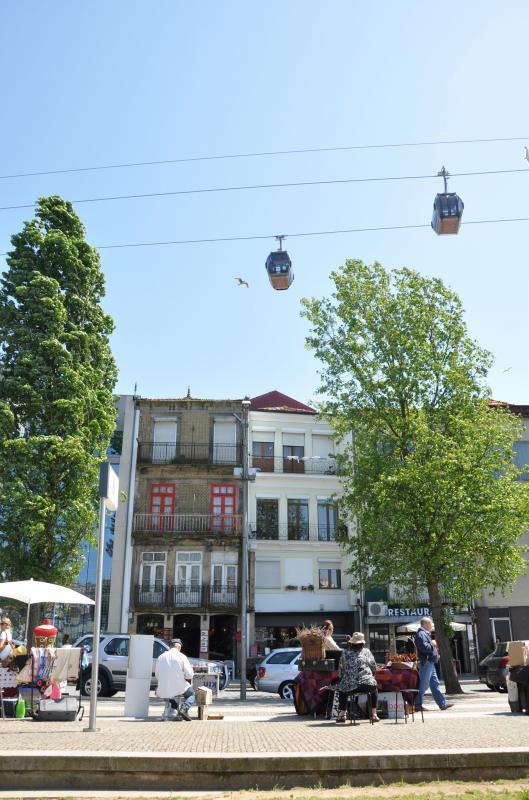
<point x="310" y="694"/>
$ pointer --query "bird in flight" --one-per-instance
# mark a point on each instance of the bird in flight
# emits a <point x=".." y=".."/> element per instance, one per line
<point x="242" y="282"/>
<point x="526" y="154"/>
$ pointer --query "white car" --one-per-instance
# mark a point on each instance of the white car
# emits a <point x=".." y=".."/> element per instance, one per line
<point x="277" y="671"/>
<point x="114" y="659"/>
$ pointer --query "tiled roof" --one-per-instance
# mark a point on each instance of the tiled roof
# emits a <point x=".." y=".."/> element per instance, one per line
<point x="513" y="408"/>
<point x="277" y="401"/>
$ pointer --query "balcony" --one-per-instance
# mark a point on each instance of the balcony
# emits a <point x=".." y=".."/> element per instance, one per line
<point x="187" y="524"/>
<point x="169" y="596"/>
<point x="294" y="465"/>
<point x="292" y="532"/>
<point x="189" y="453"/>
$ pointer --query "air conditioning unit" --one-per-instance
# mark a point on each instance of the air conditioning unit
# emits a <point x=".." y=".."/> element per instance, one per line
<point x="377" y="609"/>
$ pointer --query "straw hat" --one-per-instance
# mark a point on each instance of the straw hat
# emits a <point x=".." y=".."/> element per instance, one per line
<point x="357" y="638"/>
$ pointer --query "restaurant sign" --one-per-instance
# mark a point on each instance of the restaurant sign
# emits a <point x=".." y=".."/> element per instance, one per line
<point x="424" y="611"/>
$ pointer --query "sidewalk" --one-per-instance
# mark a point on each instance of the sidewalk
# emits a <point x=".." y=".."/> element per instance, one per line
<point x="261" y="742"/>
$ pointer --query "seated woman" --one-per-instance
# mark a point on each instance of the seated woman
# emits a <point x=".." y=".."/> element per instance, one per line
<point x="357" y="674"/>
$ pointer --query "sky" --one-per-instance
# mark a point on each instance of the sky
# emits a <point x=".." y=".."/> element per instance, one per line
<point x="96" y="82"/>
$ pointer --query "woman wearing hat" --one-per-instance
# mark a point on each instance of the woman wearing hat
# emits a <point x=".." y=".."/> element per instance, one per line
<point x="357" y="674"/>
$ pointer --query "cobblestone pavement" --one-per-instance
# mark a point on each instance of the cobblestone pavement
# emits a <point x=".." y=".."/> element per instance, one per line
<point x="265" y="724"/>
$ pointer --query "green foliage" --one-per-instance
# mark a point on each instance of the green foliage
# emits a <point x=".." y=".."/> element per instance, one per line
<point x="428" y="475"/>
<point x="56" y="406"/>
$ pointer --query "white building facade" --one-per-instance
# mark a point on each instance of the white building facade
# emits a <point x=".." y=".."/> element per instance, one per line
<point x="297" y="568"/>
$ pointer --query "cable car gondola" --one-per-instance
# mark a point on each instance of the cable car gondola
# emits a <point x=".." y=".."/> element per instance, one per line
<point x="279" y="267"/>
<point x="447" y="209"/>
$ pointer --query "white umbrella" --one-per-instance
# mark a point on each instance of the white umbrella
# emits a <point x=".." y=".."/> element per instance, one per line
<point x="413" y="627"/>
<point x="31" y="592"/>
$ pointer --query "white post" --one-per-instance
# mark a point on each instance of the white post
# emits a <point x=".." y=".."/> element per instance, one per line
<point x="244" y="549"/>
<point x="97" y="616"/>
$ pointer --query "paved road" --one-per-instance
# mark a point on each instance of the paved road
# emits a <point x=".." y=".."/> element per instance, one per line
<point x="266" y="724"/>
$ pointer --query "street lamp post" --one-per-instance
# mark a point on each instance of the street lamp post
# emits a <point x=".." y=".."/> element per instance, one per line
<point x="244" y="549"/>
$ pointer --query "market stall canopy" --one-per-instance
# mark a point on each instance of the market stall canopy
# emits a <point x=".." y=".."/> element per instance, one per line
<point x="31" y="592"/>
<point x="413" y="627"/>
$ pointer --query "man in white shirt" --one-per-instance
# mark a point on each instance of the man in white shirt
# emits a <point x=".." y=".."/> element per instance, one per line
<point x="175" y="683"/>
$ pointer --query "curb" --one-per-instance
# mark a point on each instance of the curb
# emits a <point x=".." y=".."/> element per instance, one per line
<point x="184" y="772"/>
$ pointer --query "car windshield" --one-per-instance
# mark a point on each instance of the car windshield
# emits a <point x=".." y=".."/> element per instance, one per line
<point x="86" y="643"/>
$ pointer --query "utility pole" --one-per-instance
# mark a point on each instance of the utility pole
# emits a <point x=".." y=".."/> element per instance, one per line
<point x="244" y="548"/>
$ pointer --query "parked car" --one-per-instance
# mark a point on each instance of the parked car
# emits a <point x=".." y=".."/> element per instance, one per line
<point x="494" y="668"/>
<point x="114" y="658"/>
<point x="277" y="671"/>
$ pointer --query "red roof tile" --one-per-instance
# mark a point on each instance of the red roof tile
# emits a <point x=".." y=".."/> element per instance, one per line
<point x="277" y="401"/>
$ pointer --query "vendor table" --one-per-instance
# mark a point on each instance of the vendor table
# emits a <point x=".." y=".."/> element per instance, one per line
<point x="311" y="688"/>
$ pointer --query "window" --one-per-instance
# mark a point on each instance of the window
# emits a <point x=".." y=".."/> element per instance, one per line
<point x="161" y="507"/>
<point x="330" y="578"/>
<point x="327" y="519"/>
<point x="323" y="461"/>
<point x="224" y="441"/>
<point x="267" y="519"/>
<point x="164" y="447"/>
<point x="222" y="507"/>
<point x="267" y="574"/>
<point x="379" y="642"/>
<point x="152" y="575"/>
<point x="263" y="456"/>
<point x="117" y="647"/>
<point x="282" y="658"/>
<point x="158" y="649"/>
<point x="298" y="520"/>
<point x="188" y="590"/>
<point x="293" y="458"/>
<point x="224" y="575"/>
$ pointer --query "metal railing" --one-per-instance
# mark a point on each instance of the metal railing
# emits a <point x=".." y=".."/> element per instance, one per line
<point x="186" y="596"/>
<point x="293" y="532"/>
<point x="188" y="453"/>
<point x="169" y="524"/>
<point x="314" y="465"/>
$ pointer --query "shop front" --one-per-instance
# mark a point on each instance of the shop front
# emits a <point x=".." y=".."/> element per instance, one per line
<point x="390" y="629"/>
<point x="277" y="630"/>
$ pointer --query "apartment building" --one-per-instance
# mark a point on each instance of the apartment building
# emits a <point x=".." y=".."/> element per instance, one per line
<point x="297" y="568"/>
<point x="187" y="525"/>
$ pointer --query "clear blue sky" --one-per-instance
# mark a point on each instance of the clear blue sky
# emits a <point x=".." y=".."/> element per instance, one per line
<point x="93" y="82"/>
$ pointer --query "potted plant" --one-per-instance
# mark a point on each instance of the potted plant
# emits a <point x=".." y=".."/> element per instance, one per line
<point x="290" y="588"/>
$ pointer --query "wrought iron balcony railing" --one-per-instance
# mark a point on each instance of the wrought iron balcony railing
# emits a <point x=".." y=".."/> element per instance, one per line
<point x="189" y="453"/>
<point x="314" y="465"/>
<point x="175" y="524"/>
<point x="293" y="532"/>
<point x="169" y="596"/>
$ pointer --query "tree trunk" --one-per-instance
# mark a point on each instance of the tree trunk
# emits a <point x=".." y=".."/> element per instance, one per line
<point x="447" y="664"/>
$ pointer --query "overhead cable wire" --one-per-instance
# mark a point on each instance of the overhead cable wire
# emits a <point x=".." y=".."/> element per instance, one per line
<point x="258" y="186"/>
<point x="263" y="154"/>
<point x="257" y="237"/>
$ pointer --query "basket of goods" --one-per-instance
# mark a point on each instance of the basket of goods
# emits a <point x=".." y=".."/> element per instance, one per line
<point x="402" y="660"/>
<point x="312" y="642"/>
<point x="45" y="634"/>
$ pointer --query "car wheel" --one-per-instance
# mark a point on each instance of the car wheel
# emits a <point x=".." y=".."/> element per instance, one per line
<point x="286" y="691"/>
<point x="103" y="687"/>
<point x="223" y="682"/>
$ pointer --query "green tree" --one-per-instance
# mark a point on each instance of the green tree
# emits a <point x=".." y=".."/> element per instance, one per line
<point x="428" y="479"/>
<point x="57" y="412"/>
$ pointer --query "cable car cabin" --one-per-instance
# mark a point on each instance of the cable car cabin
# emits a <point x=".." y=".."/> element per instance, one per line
<point x="279" y="268"/>
<point x="447" y="212"/>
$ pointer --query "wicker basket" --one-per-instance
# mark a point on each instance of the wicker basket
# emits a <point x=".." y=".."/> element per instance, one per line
<point x="312" y="643"/>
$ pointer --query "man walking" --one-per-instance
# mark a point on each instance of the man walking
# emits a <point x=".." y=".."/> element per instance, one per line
<point x="428" y="658"/>
<point x="174" y="674"/>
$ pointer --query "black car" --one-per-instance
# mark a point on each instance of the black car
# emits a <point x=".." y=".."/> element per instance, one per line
<point x="494" y="669"/>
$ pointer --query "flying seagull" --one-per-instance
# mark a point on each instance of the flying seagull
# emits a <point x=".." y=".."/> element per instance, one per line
<point x="242" y="282"/>
<point x="526" y="154"/>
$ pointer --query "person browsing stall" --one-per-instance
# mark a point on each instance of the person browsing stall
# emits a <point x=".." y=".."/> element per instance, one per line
<point x="6" y="636"/>
<point x="357" y="674"/>
<point x="428" y="659"/>
<point x="328" y="630"/>
<point x="175" y="683"/>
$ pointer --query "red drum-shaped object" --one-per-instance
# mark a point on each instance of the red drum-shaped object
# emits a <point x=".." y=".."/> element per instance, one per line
<point x="45" y="634"/>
